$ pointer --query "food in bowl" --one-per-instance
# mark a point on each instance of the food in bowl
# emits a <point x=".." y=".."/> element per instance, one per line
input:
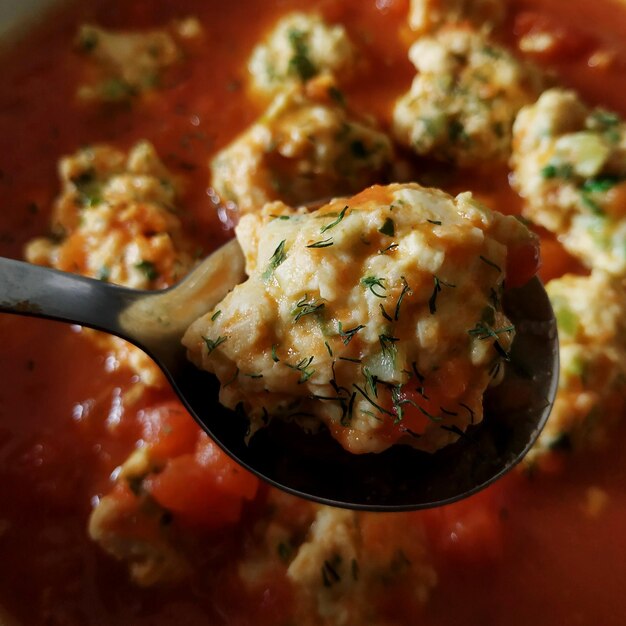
<point x="115" y="507"/>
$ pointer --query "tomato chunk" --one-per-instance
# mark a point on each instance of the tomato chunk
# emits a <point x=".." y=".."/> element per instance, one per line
<point x="169" y="430"/>
<point x="205" y="488"/>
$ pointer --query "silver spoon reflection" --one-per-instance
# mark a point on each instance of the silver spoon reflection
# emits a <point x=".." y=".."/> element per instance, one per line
<point x="311" y="466"/>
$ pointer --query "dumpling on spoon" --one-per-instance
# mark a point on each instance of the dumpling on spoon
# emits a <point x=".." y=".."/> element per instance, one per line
<point x="378" y="316"/>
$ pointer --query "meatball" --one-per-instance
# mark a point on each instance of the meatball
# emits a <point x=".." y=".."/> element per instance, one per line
<point x="339" y="563"/>
<point x="591" y="318"/>
<point x="300" y="47"/>
<point x="379" y="316"/>
<point x="115" y="220"/>
<point x="569" y="165"/>
<point x="306" y="146"/>
<point x="120" y="65"/>
<point x="463" y="102"/>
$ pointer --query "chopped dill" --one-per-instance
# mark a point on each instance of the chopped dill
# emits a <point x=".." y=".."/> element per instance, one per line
<point x="335" y="222"/>
<point x="303" y="367"/>
<point x="277" y="258"/>
<point x="405" y="289"/>
<point x="324" y="243"/>
<point x="376" y="406"/>
<point x="274" y="355"/>
<point x="307" y="308"/>
<point x="389" y="248"/>
<point x="371" y="282"/>
<point x="432" y="303"/>
<point x="211" y="344"/>
<point x="385" y="314"/>
<point x="387" y="343"/>
<point x="490" y="263"/>
<point x="371" y="381"/>
<point x="348" y="335"/>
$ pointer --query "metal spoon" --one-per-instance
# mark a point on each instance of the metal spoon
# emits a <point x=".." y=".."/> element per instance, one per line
<point x="311" y="466"/>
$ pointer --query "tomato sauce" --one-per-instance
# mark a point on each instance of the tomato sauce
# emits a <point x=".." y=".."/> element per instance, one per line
<point x="530" y="550"/>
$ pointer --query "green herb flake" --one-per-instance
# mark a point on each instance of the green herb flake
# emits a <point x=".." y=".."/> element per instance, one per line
<point x="104" y="274"/>
<point x="405" y="290"/>
<point x="274" y="355"/>
<point x="591" y="204"/>
<point x="557" y="170"/>
<point x="335" y="222"/>
<point x="324" y="243"/>
<point x="385" y="314"/>
<point x="348" y="335"/>
<point x="304" y="368"/>
<point x="389" y="248"/>
<point x="148" y="269"/>
<point x="371" y="282"/>
<point x="600" y="184"/>
<point x="432" y="302"/>
<point x="215" y="315"/>
<point x="277" y="258"/>
<point x="387" y="343"/>
<point x="330" y="352"/>
<point x="376" y="406"/>
<point x="346" y="417"/>
<point x="211" y="344"/>
<point x="304" y="307"/>
<point x="349" y="359"/>
<point x="388" y="228"/>
<point x="371" y="381"/>
<point x="300" y="63"/>
<point x="483" y="331"/>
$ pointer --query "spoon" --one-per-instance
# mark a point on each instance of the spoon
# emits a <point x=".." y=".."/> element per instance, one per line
<point x="313" y="466"/>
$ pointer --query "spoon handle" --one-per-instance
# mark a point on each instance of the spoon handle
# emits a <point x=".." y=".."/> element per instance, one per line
<point x="27" y="289"/>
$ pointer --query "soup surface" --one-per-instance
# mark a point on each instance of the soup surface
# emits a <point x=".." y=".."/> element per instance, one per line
<point x="544" y="546"/>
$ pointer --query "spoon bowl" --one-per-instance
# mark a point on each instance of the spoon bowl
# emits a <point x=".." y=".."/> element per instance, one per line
<point x="312" y="466"/>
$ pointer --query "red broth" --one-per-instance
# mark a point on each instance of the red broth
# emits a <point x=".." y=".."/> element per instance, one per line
<point x="526" y="551"/>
